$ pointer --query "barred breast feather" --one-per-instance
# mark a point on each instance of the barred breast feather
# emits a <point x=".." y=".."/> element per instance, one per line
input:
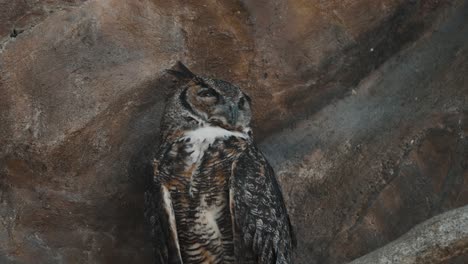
<point x="215" y="200"/>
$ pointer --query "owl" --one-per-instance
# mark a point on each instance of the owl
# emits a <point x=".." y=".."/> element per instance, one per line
<point x="213" y="197"/>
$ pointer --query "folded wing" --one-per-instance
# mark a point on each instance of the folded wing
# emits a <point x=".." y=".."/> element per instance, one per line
<point x="262" y="229"/>
<point x="160" y="217"/>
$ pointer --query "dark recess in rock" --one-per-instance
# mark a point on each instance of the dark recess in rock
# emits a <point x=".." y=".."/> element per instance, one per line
<point x="14" y="33"/>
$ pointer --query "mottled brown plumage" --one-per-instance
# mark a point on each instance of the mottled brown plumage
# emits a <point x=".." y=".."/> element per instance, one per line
<point x="214" y="198"/>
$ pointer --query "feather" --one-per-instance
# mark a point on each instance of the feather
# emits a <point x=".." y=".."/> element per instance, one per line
<point x="214" y="198"/>
<point x="181" y="72"/>
<point x="159" y="215"/>
<point x="261" y="222"/>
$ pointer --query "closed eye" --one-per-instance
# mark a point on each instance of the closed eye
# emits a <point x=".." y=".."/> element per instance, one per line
<point x="247" y="98"/>
<point x="207" y="92"/>
<point x="241" y="104"/>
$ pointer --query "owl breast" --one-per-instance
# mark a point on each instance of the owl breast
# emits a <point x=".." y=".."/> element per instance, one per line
<point x="196" y="171"/>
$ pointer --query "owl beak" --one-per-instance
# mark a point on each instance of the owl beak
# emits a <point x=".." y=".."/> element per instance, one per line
<point x="226" y="116"/>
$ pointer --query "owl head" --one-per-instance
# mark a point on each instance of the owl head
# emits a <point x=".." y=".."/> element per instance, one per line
<point x="201" y="101"/>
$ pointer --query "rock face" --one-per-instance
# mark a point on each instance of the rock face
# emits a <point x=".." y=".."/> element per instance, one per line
<point x="358" y="104"/>
<point x="434" y="241"/>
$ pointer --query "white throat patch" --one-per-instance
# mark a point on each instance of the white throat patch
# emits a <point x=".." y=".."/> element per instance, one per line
<point x="211" y="133"/>
<point x="203" y="137"/>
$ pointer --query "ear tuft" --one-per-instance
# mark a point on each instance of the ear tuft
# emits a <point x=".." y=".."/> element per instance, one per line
<point x="180" y="71"/>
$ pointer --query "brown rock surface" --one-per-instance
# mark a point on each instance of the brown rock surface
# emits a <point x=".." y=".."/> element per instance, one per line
<point x="361" y="159"/>
<point x="436" y="240"/>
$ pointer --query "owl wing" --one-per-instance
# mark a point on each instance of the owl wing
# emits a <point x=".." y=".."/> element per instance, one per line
<point x="160" y="217"/>
<point x="262" y="229"/>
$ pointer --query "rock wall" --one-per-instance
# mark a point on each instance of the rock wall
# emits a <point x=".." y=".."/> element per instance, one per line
<point x="359" y="105"/>
<point x="436" y="240"/>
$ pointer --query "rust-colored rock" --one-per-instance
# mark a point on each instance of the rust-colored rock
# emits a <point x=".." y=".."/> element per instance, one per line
<point x="82" y="89"/>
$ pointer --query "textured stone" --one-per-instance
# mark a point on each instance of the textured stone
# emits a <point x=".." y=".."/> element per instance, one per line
<point x="82" y="90"/>
<point x="364" y="170"/>
<point x="435" y="241"/>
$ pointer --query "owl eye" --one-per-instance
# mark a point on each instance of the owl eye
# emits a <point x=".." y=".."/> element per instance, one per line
<point x="207" y="93"/>
<point x="241" y="104"/>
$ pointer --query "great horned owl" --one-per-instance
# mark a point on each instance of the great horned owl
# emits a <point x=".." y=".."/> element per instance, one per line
<point x="214" y="198"/>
